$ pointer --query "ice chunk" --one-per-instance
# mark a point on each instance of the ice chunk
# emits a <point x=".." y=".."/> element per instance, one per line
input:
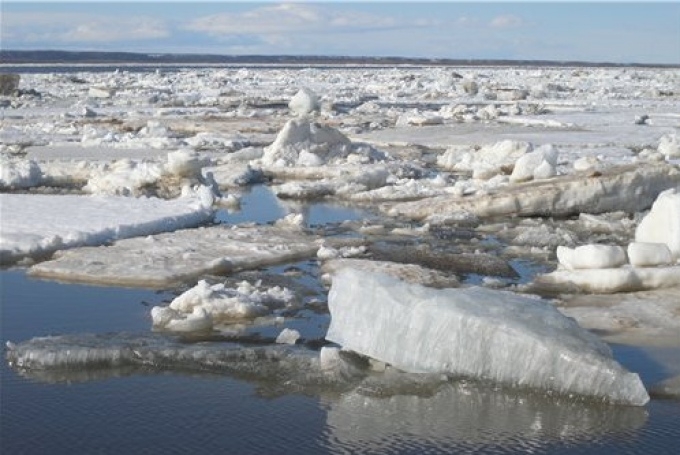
<point x="475" y="332"/>
<point x="641" y="254"/>
<point x="17" y="173"/>
<point x="304" y="143"/>
<point x="493" y="158"/>
<point x="627" y="188"/>
<point x="539" y="164"/>
<point x="662" y="223"/>
<point x="219" y="304"/>
<point x="669" y="145"/>
<point x="591" y="257"/>
<point x="38" y="225"/>
<point x="197" y="321"/>
<point x="623" y="279"/>
<point x="304" y="102"/>
<point x="288" y="336"/>
<point x="165" y="260"/>
<point x="135" y="178"/>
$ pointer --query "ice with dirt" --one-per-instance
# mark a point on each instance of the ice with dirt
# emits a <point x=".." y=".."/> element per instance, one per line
<point x="475" y="332"/>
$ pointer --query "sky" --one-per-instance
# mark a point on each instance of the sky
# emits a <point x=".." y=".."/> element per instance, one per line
<point x="607" y="31"/>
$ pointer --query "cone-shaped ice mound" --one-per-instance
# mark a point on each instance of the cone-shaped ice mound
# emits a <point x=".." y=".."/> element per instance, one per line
<point x="477" y="333"/>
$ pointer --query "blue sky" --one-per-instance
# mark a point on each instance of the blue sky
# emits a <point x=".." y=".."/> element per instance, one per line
<point x="620" y="32"/>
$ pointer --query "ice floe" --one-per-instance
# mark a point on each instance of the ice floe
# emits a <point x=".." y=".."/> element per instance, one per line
<point x="476" y="333"/>
<point x="166" y="260"/>
<point x="38" y="225"/>
<point x="627" y="188"/>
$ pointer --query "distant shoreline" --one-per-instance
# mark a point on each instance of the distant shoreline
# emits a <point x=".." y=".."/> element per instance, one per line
<point x="91" y="58"/>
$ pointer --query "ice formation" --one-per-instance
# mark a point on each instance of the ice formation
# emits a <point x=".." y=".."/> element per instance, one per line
<point x="411" y="273"/>
<point x="626" y="188"/>
<point x="591" y="257"/>
<point x="641" y="254"/>
<point x="288" y="336"/>
<point x="305" y="143"/>
<point x="164" y="260"/>
<point x="669" y="145"/>
<point x="214" y="304"/>
<point x="16" y="173"/>
<point x="488" y="161"/>
<point x="181" y="171"/>
<point x="539" y="164"/>
<point x="88" y="220"/>
<point x="648" y="264"/>
<point x="475" y="332"/>
<point x="304" y="102"/>
<point x="662" y="223"/>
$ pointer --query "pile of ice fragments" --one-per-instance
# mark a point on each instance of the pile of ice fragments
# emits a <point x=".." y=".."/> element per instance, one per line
<point x="649" y="262"/>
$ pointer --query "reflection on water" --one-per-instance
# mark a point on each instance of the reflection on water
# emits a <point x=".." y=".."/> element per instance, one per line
<point x="261" y="206"/>
<point x="463" y="415"/>
<point x="367" y="411"/>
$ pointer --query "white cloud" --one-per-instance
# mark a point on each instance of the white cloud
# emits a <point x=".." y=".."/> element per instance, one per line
<point x="292" y="18"/>
<point x="83" y="27"/>
<point x="506" y="21"/>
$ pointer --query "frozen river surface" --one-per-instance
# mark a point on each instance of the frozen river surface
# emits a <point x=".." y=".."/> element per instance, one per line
<point x="227" y="200"/>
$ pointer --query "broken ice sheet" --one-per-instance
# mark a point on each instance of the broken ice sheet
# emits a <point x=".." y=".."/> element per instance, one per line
<point x="476" y="333"/>
<point x="39" y="225"/>
<point x="166" y="260"/>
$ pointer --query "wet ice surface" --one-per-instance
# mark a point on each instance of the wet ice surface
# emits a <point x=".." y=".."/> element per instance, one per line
<point x="404" y="125"/>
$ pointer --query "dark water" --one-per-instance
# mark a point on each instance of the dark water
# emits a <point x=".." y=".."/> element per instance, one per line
<point x="174" y="410"/>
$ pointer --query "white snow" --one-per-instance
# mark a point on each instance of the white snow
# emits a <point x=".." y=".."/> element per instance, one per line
<point x="474" y="332"/>
<point x="39" y="225"/>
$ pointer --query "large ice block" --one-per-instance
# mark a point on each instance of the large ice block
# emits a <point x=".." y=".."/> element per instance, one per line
<point x="477" y="333"/>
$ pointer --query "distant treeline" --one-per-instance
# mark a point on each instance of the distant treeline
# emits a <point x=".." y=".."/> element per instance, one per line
<point x="14" y="57"/>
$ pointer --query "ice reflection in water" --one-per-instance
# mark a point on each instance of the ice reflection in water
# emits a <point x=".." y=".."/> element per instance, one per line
<point x="461" y="415"/>
<point x="261" y="206"/>
<point x="367" y="411"/>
